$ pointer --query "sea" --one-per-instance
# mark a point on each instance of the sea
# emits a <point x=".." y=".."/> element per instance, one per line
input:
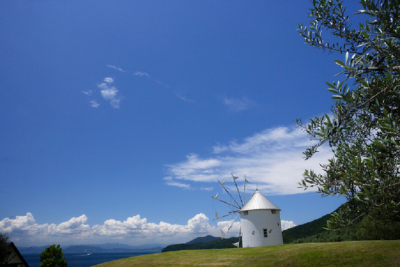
<point x="83" y="259"/>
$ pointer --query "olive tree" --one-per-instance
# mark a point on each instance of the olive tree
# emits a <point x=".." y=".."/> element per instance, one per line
<point x="53" y="256"/>
<point x="363" y="128"/>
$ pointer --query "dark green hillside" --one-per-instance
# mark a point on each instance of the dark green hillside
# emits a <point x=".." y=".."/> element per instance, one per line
<point x="305" y="230"/>
<point x="203" y="239"/>
<point x="214" y="244"/>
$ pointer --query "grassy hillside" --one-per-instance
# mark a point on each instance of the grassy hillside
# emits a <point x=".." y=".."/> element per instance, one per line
<point x="353" y="253"/>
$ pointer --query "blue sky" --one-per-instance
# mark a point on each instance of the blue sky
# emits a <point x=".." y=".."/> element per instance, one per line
<point x="119" y="117"/>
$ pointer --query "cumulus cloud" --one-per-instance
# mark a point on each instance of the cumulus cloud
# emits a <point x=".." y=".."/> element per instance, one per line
<point x="109" y="92"/>
<point x="271" y="159"/>
<point x="142" y="74"/>
<point x="235" y="104"/>
<point x="287" y="224"/>
<point x="26" y="232"/>
<point x="116" y="68"/>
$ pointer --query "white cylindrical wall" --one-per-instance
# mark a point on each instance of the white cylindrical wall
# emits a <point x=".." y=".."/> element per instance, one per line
<point x="253" y="225"/>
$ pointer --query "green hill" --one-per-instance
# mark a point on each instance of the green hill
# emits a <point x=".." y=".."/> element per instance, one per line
<point x="305" y="230"/>
<point x="203" y="239"/>
<point x="353" y="253"/>
<point x="217" y="243"/>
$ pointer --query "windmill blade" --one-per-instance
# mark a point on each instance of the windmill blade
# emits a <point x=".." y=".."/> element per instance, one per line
<point x="234" y="177"/>
<point x="217" y="217"/>
<point x="232" y="223"/>
<point x="230" y="195"/>
<point x="234" y="180"/>
<point x="236" y="244"/>
<point x="223" y="183"/>
<point x="227" y="203"/>
<point x="216" y="197"/>
<point x="246" y="181"/>
<point x="222" y="233"/>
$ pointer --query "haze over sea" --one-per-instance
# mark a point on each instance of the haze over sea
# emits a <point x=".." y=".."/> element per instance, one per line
<point x="83" y="259"/>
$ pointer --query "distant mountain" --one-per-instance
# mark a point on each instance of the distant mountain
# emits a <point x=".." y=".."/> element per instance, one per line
<point x="203" y="239"/>
<point x="215" y="243"/>
<point x="32" y="250"/>
<point x="94" y="249"/>
<point x="118" y="245"/>
<point x="100" y="248"/>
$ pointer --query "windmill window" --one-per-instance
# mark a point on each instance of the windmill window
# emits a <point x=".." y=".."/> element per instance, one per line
<point x="265" y="230"/>
<point x="273" y="211"/>
<point x="245" y="212"/>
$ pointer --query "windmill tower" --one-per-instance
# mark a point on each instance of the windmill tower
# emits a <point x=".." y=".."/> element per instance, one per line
<point x="260" y="218"/>
<point x="260" y="222"/>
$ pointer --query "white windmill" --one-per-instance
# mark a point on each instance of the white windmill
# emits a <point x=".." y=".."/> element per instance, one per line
<point x="260" y="218"/>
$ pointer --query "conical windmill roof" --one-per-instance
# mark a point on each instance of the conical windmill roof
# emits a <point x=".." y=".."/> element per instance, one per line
<point x="259" y="202"/>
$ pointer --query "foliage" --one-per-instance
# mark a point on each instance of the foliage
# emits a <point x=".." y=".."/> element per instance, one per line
<point x="53" y="256"/>
<point x="4" y="243"/>
<point x="364" y="129"/>
<point x="366" y="229"/>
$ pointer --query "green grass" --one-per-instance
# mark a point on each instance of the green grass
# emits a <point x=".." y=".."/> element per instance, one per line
<point x="352" y="253"/>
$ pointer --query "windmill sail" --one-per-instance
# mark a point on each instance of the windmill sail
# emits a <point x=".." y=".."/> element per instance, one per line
<point x="235" y="177"/>
<point x="223" y="183"/>
<point x="230" y="195"/>
<point x="234" y="180"/>
<point x="216" y="216"/>
<point x="216" y="197"/>
<point x="236" y="244"/>
<point x="222" y="233"/>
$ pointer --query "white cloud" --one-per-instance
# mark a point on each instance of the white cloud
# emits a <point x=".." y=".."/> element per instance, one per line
<point x="108" y="80"/>
<point x="271" y="159"/>
<point x="206" y="188"/>
<point x="108" y="92"/>
<point x="94" y="104"/>
<point x="235" y="104"/>
<point x="135" y="230"/>
<point x="287" y="224"/>
<point x="116" y="68"/>
<point x="139" y="73"/>
<point x="89" y="92"/>
<point x="178" y="184"/>
<point x="184" y="98"/>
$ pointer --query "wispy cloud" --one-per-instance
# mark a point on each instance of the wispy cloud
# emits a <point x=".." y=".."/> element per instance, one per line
<point x="116" y="68"/>
<point x="206" y="188"/>
<point x="109" y="92"/>
<point x="94" y="104"/>
<point x="142" y="74"/>
<point x="89" y="92"/>
<point x="184" y="98"/>
<point x="170" y="182"/>
<point x="271" y="159"/>
<point x="235" y="104"/>
<point x="24" y="231"/>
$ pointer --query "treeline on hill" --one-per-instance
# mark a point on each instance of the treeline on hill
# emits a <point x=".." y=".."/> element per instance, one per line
<point x="203" y="243"/>
<point x="366" y="229"/>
